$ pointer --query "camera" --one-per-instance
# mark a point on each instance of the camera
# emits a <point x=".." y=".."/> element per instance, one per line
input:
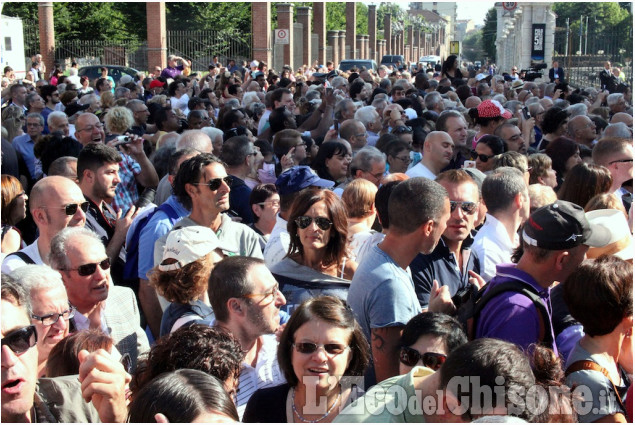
<point x="122" y="140"/>
<point x="533" y="72"/>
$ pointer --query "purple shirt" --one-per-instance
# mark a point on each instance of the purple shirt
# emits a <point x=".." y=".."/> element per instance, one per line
<point x="171" y="72"/>
<point x="511" y="316"/>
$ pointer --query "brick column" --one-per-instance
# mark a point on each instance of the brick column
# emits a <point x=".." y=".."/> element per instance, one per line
<point x="47" y="35"/>
<point x="411" y="42"/>
<point x="366" y="49"/>
<point x="304" y="17"/>
<point x="351" y="28"/>
<point x="360" y="46"/>
<point x="388" y="33"/>
<point x="261" y="49"/>
<point x="319" y="26"/>
<point x="417" y="44"/>
<point x="372" y="31"/>
<point x="379" y="50"/>
<point x="285" y="21"/>
<point x="334" y="42"/>
<point x="342" y="37"/>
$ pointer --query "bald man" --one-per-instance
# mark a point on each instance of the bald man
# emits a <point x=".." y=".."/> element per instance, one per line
<point x="582" y="130"/>
<point x="472" y="102"/>
<point x="56" y="202"/>
<point x="437" y="152"/>
<point x="622" y="117"/>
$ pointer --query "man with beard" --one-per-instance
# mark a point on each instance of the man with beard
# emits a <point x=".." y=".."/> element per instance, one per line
<point x="98" y="174"/>
<point x="246" y="300"/>
<point x="450" y="262"/>
<point x="382" y="293"/>
<point x="80" y="257"/>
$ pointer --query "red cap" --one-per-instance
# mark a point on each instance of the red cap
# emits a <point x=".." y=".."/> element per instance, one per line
<point x="155" y="83"/>
<point x="492" y="109"/>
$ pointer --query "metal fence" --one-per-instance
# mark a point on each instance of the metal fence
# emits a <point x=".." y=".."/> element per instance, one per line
<point x="201" y="46"/>
<point x="97" y="52"/>
<point x="31" y="31"/>
<point x="583" y="58"/>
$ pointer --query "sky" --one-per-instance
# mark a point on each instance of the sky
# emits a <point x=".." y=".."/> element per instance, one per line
<point x="466" y="9"/>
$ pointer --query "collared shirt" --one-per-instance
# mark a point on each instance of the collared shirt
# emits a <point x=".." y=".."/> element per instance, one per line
<point x="421" y="170"/>
<point x="278" y="243"/>
<point x="443" y="266"/>
<point x="511" y="316"/>
<point x="126" y="193"/>
<point x="24" y="145"/>
<point x="493" y="246"/>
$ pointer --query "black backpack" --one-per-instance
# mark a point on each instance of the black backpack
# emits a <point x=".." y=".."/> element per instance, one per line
<point x="469" y="312"/>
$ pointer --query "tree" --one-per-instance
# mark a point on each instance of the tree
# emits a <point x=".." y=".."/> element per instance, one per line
<point x="472" y="46"/>
<point x="489" y="34"/>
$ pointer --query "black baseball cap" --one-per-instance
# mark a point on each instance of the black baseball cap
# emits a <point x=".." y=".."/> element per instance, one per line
<point x="563" y="225"/>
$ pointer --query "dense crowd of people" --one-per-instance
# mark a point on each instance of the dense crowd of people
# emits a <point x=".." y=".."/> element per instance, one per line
<point x="242" y="244"/>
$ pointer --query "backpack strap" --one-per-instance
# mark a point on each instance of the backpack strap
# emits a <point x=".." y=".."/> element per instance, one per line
<point x="513" y="286"/>
<point x="591" y="365"/>
<point x="23" y="256"/>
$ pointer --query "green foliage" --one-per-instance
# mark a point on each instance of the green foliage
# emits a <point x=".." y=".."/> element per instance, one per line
<point x="472" y="47"/>
<point x="209" y="16"/>
<point x="603" y="17"/>
<point x="489" y="34"/>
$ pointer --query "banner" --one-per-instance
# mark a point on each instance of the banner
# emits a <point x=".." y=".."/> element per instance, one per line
<point x="538" y="42"/>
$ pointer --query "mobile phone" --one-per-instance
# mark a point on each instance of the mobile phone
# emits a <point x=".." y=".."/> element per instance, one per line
<point x="122" y="140"/>
<point x="526" y="113"/>
<point x="336" y="126"/>
<point x="469" y="164"/>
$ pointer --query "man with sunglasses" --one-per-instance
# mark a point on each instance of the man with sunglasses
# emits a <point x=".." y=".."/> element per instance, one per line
<point x="246" y="300"/>
<point x="617" y="155"/>
<point x="452" y="260"/>
<point x="80" y="257"/>
<point x="56" y="202"/>
<point x="27" y="399"/>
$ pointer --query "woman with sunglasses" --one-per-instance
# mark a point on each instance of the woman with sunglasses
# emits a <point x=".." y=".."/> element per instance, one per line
<point x="428" y="339"/>
<point x="13" y="211"/>
<point x="320" y="344"/>
<point x="318" y="261"/>
<point x="486" y="149"/>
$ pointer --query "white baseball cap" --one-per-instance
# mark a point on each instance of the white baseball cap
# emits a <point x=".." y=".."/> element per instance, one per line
<point x="188" y="244"/>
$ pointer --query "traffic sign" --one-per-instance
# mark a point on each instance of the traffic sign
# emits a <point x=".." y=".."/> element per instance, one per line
<point x="509" y="5"/>
<point x="282" y="36"/>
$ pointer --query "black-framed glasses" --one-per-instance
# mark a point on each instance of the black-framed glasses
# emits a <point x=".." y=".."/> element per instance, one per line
<point x="214" y="184"/>
<point x="71" y="209"/>
<point x="51" y="319"/>
<point x="404" y="159"/>
<point x="410" y="357"/>
<point x="310" y="348"/>
<point x="466" y="207"/>
<point x="20" y="340"/>
<point x="305" y="221"/>
<point x="89" y="269"/>
<point x="621" y="161"/>
<point x="482" y="157"/>
<point x="268" y="296"/>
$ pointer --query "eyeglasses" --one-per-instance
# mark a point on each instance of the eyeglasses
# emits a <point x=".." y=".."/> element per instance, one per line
<point x="252" y="154"/>
<point x="305" y="221"/>
<point x="71" y="209"/>
<point x="33" y="124"/>
<point x="51" y="319"/>
<point x="214" y="184"/>
<point x="621" y="161"/>
<point x="20" y="340"/>
<point x="268" y="296"/>
<point x="467" y="207"/>
<point x="275" y="204"/>
<point x="89" y="269"/>
<point x="482" y="157"/>
<point x="410" y="357"/>
<point x="405" y="159"/>
<point x="90" y="128"/>
<point x="310" y="348"/>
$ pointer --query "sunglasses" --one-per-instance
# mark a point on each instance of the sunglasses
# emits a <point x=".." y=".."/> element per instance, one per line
<point x="482" y="157"/>
<point x="410" y="357"/>
<point x="51" y="319"/>
<point x="467" y="207"/>
<point x="305" y="221"/>
<point x="71" y="209"/>
<point x="89" y="269"/>
<point x="310" y="348"/>
<point x="21" y="339"/>
<point x="214" y="184"/>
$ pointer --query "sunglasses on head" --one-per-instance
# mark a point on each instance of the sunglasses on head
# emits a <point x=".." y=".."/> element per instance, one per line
<point x="89" y="269"/>
<point x="214" y="184"/>
<point x="305" y="221"/>
<point x="410" y="357"/>
<point x="467" y="207"/>
<point x="482" y="157"/>
<point x="310" y="348"/>
<point x="20" y="340"/>
<point x="71" y="209"/>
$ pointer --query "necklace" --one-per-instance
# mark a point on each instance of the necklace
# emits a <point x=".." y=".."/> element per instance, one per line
<point x="328" y="412"/>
